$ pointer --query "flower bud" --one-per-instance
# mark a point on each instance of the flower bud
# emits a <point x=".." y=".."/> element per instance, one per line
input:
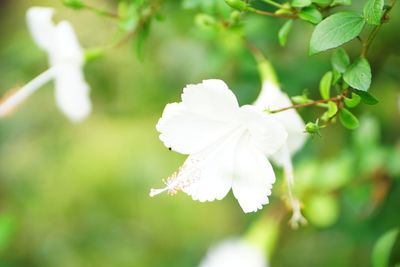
<point x="237" y="4"/>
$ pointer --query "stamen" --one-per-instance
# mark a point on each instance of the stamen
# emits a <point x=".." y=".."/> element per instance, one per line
<point x="14" y="99"/>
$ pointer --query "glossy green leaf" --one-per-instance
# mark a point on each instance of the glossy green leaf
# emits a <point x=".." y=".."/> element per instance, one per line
<point x="331" y="112"/>
<point x="340" y="60"/>
<point x="353" y="101"/>
<point x="301" y="3"/>
<point x="383" y="247"/>
<point x="373" y="11"/>
<point x="284" y="32"/>
<point x="336" y="30"/>
<point x="366" y="97"/>
<point x="325" y="85"/>
<point x="322" y="2"/>
<point x="347" y="119"/>
<point x="358" y="74"/>
<point x="311" y="14"/>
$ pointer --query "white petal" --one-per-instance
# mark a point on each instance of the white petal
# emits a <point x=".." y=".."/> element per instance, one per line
<point x="72" y="92"/>
<point x="208" y="111"/>
<point x="266" y="133"/>
<point x="66" y="48"/>
<point x="253" y="178"/>
<point x="215" y="170"/>
<point x="234" y="253"/>
<point x="41" y="26"/>
<point x="271" y="97"/>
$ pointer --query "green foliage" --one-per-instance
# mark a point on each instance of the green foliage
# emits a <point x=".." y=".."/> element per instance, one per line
<point x="383" y="247"/>
<point x="310" y="14"/>
<point x="7" y="228"/>
<point x="336" y="30"/>
<point x="353" y="101"/>
<point x="322" y="210"/>
<point x="331" y="112"/>
<point x="341" y="2"/>
<point x="340" y="60"/>
<point x="325" y="85"/>
<point x="347" y="119"/>
<point x="358" y="74"/>
<point x="322" y="2"/>
<point x="237" y="4"/>
<point x="373" y="11"/>
<point x="366" y="97"/>
<point x="301" y="3"/>
<point x="284" y="32"/>
<point x="75" y="4"/>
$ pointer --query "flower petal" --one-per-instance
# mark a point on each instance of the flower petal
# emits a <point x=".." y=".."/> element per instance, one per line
<point x="271" y="97"/>
<point x="41" y="26"/>
<point x="266" y="133"/>
<point x="215" y="170"/>
<point x="66" y="48"/>
<point x="253" y="177"/>
<point x="72" y="92"/>
<point x="207" y="112"/>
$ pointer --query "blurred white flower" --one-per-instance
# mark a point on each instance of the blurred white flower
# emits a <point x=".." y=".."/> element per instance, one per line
<point x="234" y="253"/>
<point x="226" y="144"/>
<point x="272" y="98"/>
<point x="66" y="60"/>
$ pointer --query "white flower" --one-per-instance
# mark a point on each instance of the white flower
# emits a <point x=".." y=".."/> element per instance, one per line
<point x="226" y="144"/>
<point x="272" y="98"/>
<point x="234" y="253"/>
<point x="66" y="60"/>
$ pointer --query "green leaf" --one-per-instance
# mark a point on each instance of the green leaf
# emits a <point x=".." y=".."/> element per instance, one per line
<point x="325" y="85"/>
<point x="331" y="112"/>
<point x="358" y="74"/>
<point x="301" y="3"/>
<point x="7" y="229"/>
<point x="237" y="4"/>
<point x="336" y="30"/>
<point x="347" y="119"/>
<point x="300" y="99"/>
<point x="373" y="11"/>
<point x="340" y="60"/>
<point x="366" y="97"/>
<point x="353" y="101"/>
<point x="383" y="247"/>
<point x="284" y="32"/>
<point x="311" y="14"/>
<point x="75" y="4"/>
<point x="341" y="2"/>
<point x="141" y="38"/>
<point x="335" y="76"/>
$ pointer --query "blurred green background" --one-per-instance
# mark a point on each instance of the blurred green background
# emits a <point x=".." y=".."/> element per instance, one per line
<point x="77" y="195"/>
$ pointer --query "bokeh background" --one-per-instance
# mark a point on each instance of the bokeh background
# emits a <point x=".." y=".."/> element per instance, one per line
<point x="77" y="195"/>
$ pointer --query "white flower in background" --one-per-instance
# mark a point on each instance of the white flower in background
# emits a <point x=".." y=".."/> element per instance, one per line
<point x="234" y="253"/>
<point x="66" y="60"/>
<point x="272" y="98"/>
<point x="226" y="145"/>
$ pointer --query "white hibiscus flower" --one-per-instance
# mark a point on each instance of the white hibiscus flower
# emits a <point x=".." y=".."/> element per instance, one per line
<point x="66" y="60"/>
<point x="272" y="98"/>
<point x="226" y="145"/>
<point x="234" y="253"/>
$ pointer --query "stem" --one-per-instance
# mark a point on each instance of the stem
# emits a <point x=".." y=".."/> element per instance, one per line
<point x="336" y="99"/>
<point x="376" y="30"/>
<point x="14" y="99"/>
<point x="102" y="12"/>
<point x="271" y="14"/>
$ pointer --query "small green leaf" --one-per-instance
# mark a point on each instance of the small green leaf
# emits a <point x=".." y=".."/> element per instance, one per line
<point x="331" y="112"/>
<point x="237" y="4"/>
<point x="347" y="119"/>
<point x="340" y="60"/>
<point x="311" y="14"/>
<point x="204" y="21"/>
<point x="75" y="4"/>
<point x="373" y="11"/>
<point x="301" y="3"/>
<point x="383" y="247"/>
<point x="300" y="99"/>
<point x="325" y="85"/>
<point x="336" y="30"/>
<point x="341" y="2"/>
<point x="335" y="76"/>
<point x="353" y="101"/>
<point x="366" y="97"/>
<point x="358" y="74"/>
<point x="284" y="32"/>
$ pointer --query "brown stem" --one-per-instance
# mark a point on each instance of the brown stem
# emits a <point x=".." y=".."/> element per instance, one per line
<point x="336" y="99"/>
